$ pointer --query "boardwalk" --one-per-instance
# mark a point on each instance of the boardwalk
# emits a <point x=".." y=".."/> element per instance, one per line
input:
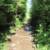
<point x="21" y="41"/>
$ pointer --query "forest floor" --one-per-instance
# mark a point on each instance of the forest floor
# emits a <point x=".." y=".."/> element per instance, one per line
<point x="22" y="40"/>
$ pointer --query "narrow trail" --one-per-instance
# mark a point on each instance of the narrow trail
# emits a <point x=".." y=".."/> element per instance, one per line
<point x="21" y="41"/>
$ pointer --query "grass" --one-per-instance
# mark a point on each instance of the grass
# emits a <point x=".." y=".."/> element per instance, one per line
<point x="41" y="47"/>
<point x="18" y="23"/>
<point x="3" y="42"/>
<point x="4" y="46"/>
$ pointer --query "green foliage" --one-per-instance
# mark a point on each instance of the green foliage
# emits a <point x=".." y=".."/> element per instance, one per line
<point x="10" y="1"/>
<point x="41" y="47"/>
<point x="7" y="11"/>
<point x="41" y="17"/>
<point x="18" y="23"/>
<point x="21" y="9"/>
<point x="13" y="12"/>
<point x="7" y="19"/>
<point x="3" y="46"/>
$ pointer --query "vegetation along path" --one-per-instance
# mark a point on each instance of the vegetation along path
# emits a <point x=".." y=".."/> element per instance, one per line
<point x="22" y="40"/>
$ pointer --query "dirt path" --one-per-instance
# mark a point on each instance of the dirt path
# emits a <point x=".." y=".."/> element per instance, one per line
<point x="21" y="41"/>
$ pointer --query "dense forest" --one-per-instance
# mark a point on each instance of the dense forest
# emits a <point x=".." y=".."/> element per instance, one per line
<point x="18" y="13"/>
